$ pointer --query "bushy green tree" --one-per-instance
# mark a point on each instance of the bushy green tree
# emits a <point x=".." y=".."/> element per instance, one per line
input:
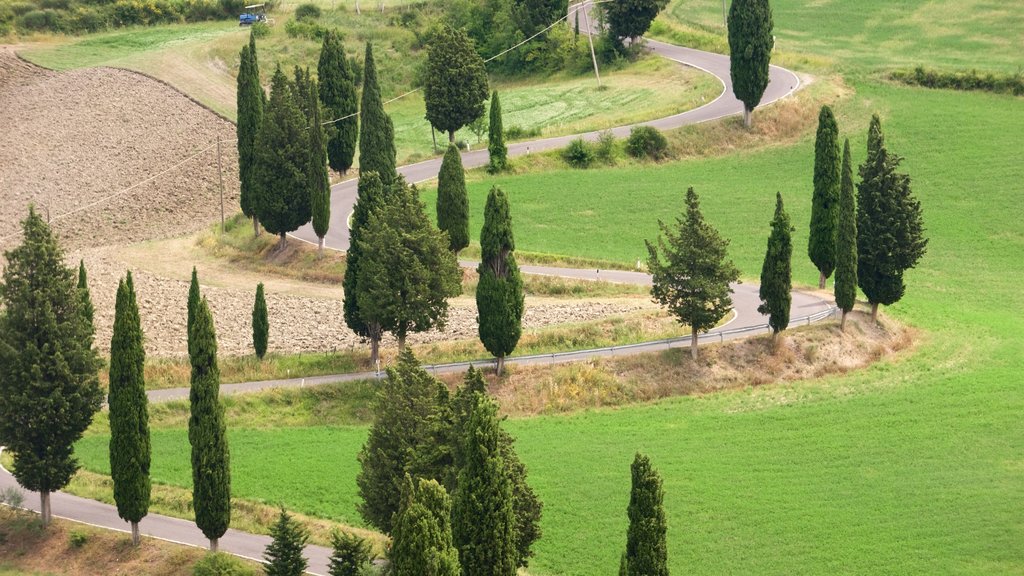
<point x="422" y="537"/>
<point x="456" y="81"/>
<point x="49" y="389"/>
<point x="499" y="295"/>
<point x="846" y="241"/>
<point x="282" y="158"/>
<point x="371" y="194"/>
<point x="283" y="556"/>
<point x="260" y="323"/>
<point x="316" y="172"/>
<point x="338" y="95"/>
<point x="750" y="51"/>
<point x="646" y="550"/>
<point x="350" y="556"/>
<point x="821" y="245"/>
<point x="496" y="149"/>
<point x="129" y="414"/>
<point x="693" y="280"/>
<point x="83" y="290"/>
<point x="532" y="16"/>
<point x="631" y="18"/>
<point x="250" y="100"/>
<point x="776" y="272"/>
<point x="452" y="201"/>
<point x="376" y="132"/>
<point x="890" y="227"/>
<point x="207" y="434"/>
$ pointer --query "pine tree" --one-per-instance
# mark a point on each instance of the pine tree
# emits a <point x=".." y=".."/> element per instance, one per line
<point x="377" y="133"/>
<point x="351" y="554"/>
<point x="211" y="472"/>
<point x="83" y="290"/>
<point x="422" y="538"/>
<point x="456" y="81"/>
<point x="846" y="241"/>
<point x="371" y="195"/>
<point x="646" y="551"/>
<point x="693" y="281"/>
<point x="750" y="51"/>
<point x="338" y="95"/>
<point x="283" y="556"/>
<point x="482" y="515"/>
<point x="193" y="306"/>
<point x="499" y="293"/>
<point x="282" y="158"/>
<point x="776" y="272"/>
<point x="129" y="414"/>
<point x="49" y="389"/>
<point x="890" y="228"/>
<point x="821" y="246"/>
<point x="260" y="323"/>
<point x="250" y="100"/>
<point x="316" y="172"/>
<point x="496" y="149"/>
<point x="452" y="202"/>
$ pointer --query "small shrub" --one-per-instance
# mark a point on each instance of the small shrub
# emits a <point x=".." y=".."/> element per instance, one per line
<point x="578" y="154"/>
<point x="54" y="4"/>
<point x="12" y="496"/>
<point x="305" y="29"/>
<point x="78" y="538"/>
<point x="605" y="149"/>
<point x="39" y="20"/>
<point x="646" y="142"/>
<point x="461" y="145"/>
<point x="21" y="8"/>
<point x="518" y="133"/>
<point x="260" y="30"/>
<point x="221" y="564"/>
<point x="87" y="20"/>
<point x="307" y="12"/>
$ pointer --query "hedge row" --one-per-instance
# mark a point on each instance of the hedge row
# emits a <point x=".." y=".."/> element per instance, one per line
<point x="84" y="16"/>
<point x="972" y="80"/>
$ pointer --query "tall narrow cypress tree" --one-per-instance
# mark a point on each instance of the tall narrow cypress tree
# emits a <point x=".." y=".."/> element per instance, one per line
<point x="422" y="538"/>
<point x="250" y="101"/>
<point x="83" y="290"/>
<point x="846" y="241"/>
<point x="260" y="323"/>
<point x="129" y="415"/>
<point x="371" y="194"/>
<point x="776" y="273"/>
<point x="338" y="94"/>
<point x="499" y="293"/>
<point x="452" y="202"/>
<point x="750" y="51"/>
<point x="821" y="245"/>
<point x="207" y="434"/>
<point x="496" y="149"/>
<point x="283" y="556"/>
<point x="646" y="551"/>
<point x="376" y="133"/>
<point x="316" y="172"/>
<point x="193" y="305"/>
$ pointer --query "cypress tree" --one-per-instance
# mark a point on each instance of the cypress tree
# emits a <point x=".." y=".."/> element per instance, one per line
<point x="693" y="281"/>
<point x="422" y="538"/>
<point x="129" y="415"/>
<point x="452" y="202"/>
<point x="283" y="556"/>
<point x="193" y="306"/>
<point x="890" y="228"/>
<point x="846" y="241"/>
<point x="482" y="515"/>
<point x="776" y="273"/>
<point x="316" y="173"/>
<point x="821" y="246"/>
<point x="750" y="51"/>
<point x="83" y="290"/>
<point x="302" y="89"/>
<point x="49" y="389"/>
<point x="260" y="323"/>
<point x="377" y="133"/>
<point x="282" y="158"/>
<point x="371" y="194"/>
<point x="646" y="551"/>
<point x="456" y="81"/>
<point x="338" y="95"/>
<point x="250" y="100"/>
<point x="499" y="294"/>
<point x="350" y="556"/>
<point x="496" y="149"/>
<point x="211" y="472"/>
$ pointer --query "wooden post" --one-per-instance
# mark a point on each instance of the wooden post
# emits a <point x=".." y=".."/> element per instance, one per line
<point x="590" y="37"/>
<point x="725" y="19"/>
<point x="220" y="175"/>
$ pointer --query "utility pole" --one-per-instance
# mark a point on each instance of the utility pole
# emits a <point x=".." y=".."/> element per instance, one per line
<point x="220" y="175"/>
<point x="590" y="38"/>
<point x="725" y="19"/>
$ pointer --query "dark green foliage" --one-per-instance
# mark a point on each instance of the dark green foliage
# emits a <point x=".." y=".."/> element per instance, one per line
<point x="776" y="272"/>
<point x="970" y="80"/>
<point x="307" y="11"/>
<point x="631" y="18"/>
<point x="578" y="154"/>
<point x="221" y="564"/>
<point x="846" y="240"/>
<point x="532" y="16"/>
<point x="376" y="133"/>
<point x="483" y="519"/>
<point x="83" y="291"/>
<point x="499" y="294"/>
<point x="302" y="88"/>
<point x="338" y="95"/>
<point x="693" y="281"/>
<point x="403" y="410"/>
<point x="750" y="50"/>
<point x="890" y="229"/>
<point x="260" y="323"/>
<point x="496" y="149"/>
<point x="193" y="305"/>
<point x="316" y="171"/>
<point x="371" y="195"/>
<point x="207" y="434"/>
<point x="282" y="156"/>
<point x="646" y="551"/>
<point x="351" y="554"/>
<point x="452" y="202"/>
<point x="422" y="538"/>
<point x="251" y="98"/>
<point x="821" y="246"/>
<point x="129" y="414"/>
<point x="456" y="81"/>
<point x="647" y="142"/>
<point x="49" y="389"/>
<point x="283" y="556"/>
